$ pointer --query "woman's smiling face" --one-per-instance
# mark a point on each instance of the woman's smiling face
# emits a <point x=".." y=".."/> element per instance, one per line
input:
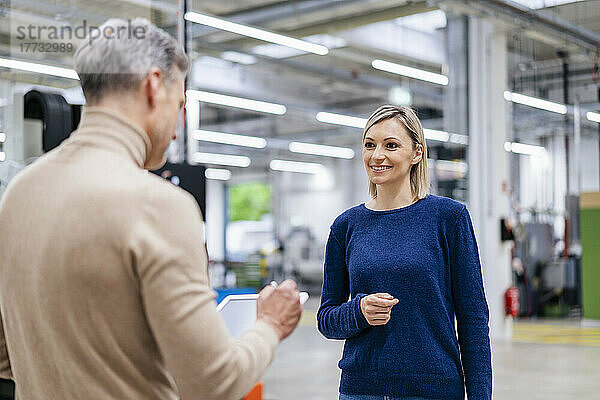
<point x="389" y="152"/>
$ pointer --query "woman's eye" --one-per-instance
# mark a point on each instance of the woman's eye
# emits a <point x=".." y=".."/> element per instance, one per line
<point x="369" y="145"/>
<point x="392" y="145"/>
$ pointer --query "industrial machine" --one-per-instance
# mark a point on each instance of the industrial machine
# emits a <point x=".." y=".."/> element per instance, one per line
<point x="547" y="276"/>
<point x="303" y="257"/>
<point x="36" y="122"/>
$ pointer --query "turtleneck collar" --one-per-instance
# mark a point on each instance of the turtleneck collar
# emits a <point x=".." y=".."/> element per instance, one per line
<point x="114" y="132"/>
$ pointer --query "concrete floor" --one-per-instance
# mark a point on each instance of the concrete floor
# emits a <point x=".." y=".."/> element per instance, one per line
<point x="305" y="367"/>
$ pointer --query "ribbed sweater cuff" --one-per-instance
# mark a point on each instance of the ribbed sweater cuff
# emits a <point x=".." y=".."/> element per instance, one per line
<point x="360" y="319"/>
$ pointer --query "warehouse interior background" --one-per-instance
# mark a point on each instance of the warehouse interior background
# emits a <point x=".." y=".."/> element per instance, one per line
<point x="508" y="93"/>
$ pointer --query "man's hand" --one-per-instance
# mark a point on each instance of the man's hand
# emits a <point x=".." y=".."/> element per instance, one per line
<point x="377" y="308"/>
<point x="280" y="307"/>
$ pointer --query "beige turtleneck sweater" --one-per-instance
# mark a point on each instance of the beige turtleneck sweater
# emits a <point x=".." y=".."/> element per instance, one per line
<point x="104" y="289"/>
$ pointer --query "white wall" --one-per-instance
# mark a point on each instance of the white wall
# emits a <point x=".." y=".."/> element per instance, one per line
<point x="316" y="200"/>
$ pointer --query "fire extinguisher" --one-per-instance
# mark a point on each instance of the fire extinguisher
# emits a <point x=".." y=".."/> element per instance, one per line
<point x="511" y="302"/>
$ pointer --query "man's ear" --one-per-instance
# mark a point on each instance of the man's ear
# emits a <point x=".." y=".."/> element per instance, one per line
<point x="152" y="84"/>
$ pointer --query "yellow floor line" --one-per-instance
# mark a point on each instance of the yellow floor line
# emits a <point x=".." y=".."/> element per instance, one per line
<point x="309" y="318"/>
<point x="555" y="334"/>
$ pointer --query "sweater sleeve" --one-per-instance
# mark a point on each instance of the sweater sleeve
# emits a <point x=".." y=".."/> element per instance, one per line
<point x="170" y="261"/>
<point x="471" y="310"/>
<point x="337" y="317"/>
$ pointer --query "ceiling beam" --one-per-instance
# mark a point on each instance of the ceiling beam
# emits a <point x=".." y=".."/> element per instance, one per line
<point x="343" y="23"/>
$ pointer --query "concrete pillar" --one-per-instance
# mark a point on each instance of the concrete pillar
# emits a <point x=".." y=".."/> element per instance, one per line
<point x="456" y="96"/>
<point x="488" y="162"/>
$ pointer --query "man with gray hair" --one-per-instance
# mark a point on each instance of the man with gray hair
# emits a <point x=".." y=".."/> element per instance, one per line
<point x="104" y="288"/>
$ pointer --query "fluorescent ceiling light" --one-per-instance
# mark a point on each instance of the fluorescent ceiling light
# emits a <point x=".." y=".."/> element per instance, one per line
<point x="2" y="156"/>
<point x="424" y="22"/>
<point x="521" y="148"/>
<point x="451" y="166"/>
<point x="281" y="52"/>
<point x="329" y="41"/>
<point x="256" y="33"/>
<point x="229" y="138"/>
<point x="458" y="138"/>
<point x="218" y="174"/>
<point x="592" y="116"/>
<point x="433" y="134"/>
<point x="295" y="166"/>
<point x="538" y="4"/>
<point x="238" y="102"/>
<point x="2" y="137"/>
<point x="212" y="62"/>
<point x="221" y="159"/>
<point x="400" y="96"/>
<point x="535" y="102"/>
<point x="39" y="68"/>
<point x="321" y="150"/>
<point x="340" y="119"/>
<point x="410" y="72"/>
<point x="240" y="58"/>
<point x="276" y="51"/>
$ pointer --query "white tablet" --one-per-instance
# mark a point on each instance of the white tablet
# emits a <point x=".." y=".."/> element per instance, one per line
<point x="239" y="311"/>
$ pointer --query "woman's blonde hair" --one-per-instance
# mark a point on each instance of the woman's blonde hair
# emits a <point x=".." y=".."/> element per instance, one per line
<point x="419" y="175"/>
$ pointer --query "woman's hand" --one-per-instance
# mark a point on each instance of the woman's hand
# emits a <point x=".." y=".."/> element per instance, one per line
<point x="377" y="308"/>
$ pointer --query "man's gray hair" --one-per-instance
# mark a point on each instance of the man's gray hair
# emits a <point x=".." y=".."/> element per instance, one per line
<point x="117" y="56"/>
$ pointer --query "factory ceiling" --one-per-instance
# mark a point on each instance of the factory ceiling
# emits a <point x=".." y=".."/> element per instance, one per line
<point x="411" y="33"/>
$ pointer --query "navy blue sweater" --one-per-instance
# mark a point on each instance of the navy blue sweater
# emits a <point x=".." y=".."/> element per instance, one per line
<point x="426" y="256"/>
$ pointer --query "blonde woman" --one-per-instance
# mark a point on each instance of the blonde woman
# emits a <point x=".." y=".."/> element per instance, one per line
<point x="408" y="262"/>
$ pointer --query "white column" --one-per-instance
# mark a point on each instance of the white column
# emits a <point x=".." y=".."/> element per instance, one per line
<point x="488" y="163"/>
<point x="215" y="219"/>
<point x="558" y="160"/>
